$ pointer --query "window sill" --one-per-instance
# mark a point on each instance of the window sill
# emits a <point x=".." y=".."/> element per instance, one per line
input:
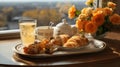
<point x="9" y="34"/>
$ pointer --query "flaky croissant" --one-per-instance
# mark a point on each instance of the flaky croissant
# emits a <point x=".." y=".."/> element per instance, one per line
<point x="76" y="41"/>
<point x="60" y="40"/>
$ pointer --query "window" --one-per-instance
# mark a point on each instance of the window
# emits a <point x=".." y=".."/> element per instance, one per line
<point x="44" y="11"/>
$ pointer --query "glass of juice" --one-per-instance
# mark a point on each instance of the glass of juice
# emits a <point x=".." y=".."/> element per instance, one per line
<point x="27" y="31"/>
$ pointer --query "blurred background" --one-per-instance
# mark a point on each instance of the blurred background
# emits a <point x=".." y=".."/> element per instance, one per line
<point x="45" y="11"/>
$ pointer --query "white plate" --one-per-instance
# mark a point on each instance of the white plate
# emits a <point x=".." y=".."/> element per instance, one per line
<point x="72" y="49"/>
<point x="93" y="46"/>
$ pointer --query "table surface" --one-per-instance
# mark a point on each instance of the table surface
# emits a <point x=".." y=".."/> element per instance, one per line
<point x="109" y="57"/>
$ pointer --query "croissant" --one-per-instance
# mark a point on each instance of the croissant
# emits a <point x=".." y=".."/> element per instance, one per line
<point x="60" y="40"/>
<point x="71" y="45"/>
<point x="64" y="38"/>
<point x="76" y="41"/>
<point x="56" y="41"/>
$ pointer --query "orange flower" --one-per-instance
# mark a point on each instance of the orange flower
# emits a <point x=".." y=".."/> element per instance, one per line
<point x="90" y="20"/>
<point x="87" y="11"/>
<point x="108" y="11"/>
<point x="82" y="16"/>
<point x="115" y="19"/>
<point x="71" y="16"/>
<point x="80" y="24"/>
<point x="111" y="5"/>
<point x="71" y="12"/>
<point x="84" y="10"/>
<point x="89" y="2"/>
<point x="96" y="10"/>
<point x="90" y="27"/>
<point x="98" y="18"/>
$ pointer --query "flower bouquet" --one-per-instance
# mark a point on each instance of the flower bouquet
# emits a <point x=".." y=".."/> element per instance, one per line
<point x="95" y="20"/>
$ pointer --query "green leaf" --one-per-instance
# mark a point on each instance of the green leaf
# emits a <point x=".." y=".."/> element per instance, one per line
<point x="77" y="13"/>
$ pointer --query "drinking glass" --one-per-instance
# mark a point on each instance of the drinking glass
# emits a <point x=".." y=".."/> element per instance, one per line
<point x="27" y="31"/>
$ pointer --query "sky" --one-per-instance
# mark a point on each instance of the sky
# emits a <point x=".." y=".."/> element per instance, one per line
<point x="33" y="0"/>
